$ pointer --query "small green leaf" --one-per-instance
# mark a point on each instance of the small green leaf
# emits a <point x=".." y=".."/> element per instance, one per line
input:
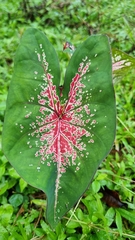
<point x="39" y="202"/>
<point x="6" y="212"/>
<point x="2" y="170"/>
<point x="127" y="214"/>
<point x="3" y="187"/>
<point x="73" y="224"/>
<point x="23" y="184"/>
<point x="11" y="183"/>
<point x="96" y="186"/>
<point x="101" y="176"/>
<point x="119" y="222"/>
<point x="16" y="200"/>
<point x="12" y="172"/>
<point x="110" y="216"/>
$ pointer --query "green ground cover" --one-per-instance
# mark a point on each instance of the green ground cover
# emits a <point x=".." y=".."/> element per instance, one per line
<point x="22" y="207"/>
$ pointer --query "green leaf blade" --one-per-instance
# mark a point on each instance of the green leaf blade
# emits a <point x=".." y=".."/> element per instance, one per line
<point x="119" y="222"/>
<point x="56" y="140"/>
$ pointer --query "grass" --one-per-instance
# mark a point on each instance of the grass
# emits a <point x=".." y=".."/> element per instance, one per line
<point x="21" y="206"/>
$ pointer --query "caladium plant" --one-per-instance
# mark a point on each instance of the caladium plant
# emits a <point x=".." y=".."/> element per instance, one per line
<point x="56" y="136"/>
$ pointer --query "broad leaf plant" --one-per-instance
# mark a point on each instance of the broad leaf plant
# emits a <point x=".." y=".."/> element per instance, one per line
<point x="54" y="135"/>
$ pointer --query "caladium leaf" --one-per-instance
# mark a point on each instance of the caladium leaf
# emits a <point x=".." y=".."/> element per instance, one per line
<point x="122" y="63"/>
<point x="56" y="137"/>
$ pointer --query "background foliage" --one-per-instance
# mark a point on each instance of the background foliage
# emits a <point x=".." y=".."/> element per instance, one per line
<point x="21" y="206"/>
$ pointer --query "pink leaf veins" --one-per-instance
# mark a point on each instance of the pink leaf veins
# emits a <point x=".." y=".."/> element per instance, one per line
<point x="59" y="129"/>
